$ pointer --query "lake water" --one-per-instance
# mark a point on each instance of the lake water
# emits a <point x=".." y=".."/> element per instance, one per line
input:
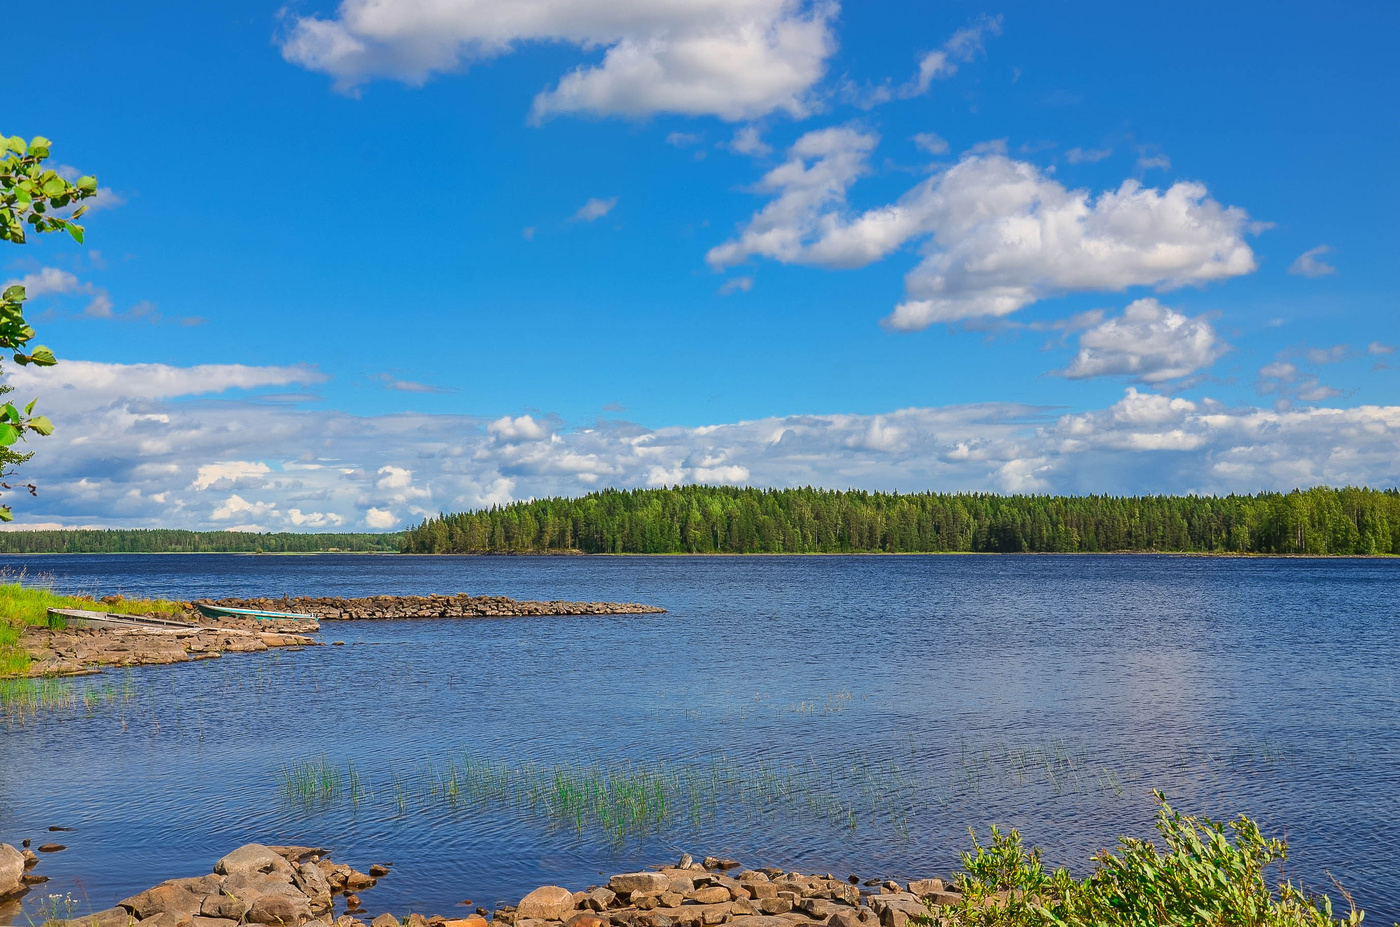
<point x="828" y="714"/>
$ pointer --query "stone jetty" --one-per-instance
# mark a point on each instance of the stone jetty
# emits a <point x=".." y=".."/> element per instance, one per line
<point x="80" y="651"/>
<point x="301" y="887"/>
<point x="389" y="607"/>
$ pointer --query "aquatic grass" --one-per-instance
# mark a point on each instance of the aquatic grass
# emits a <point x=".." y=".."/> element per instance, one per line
<point x="24" y="699"/>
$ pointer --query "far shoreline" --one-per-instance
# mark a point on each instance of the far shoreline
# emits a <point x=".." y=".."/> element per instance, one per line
<point x="551" y="555"/>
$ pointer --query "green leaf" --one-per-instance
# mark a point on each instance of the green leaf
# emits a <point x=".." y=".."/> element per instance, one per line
<point x="15" y="292"/>
<point x="42" y="356"/>
<point x="9" y="411"/>
<point x="87" y="184"/>
<point x="55" y="186"/>
<point x="6" y="514"/>
<point x="29" y="409"/>
<point x="41" y="424"/>
<point x="8" y="435"/>
<point x="75" y="230"/>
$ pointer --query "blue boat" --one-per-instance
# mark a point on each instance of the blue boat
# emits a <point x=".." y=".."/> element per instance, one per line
<point x="221" y="611"/>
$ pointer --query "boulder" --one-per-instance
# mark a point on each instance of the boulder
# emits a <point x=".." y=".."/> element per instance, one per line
<point x="255" y="858"/>
<point x="925" y="887"/>
<point x="473" y="921"/>
<point x="714" y="894"/>
<point x="895" y="909"/>
<point x="11" y="871"/>
<point x="181" y="897"/>
<point x="816" y="908"/>
<point x="599" y="899"/>
<point x="759" y="920"/>
<point x="548" y="902"/>
<point x="845" y="919"/>
<point x="108" y="917"/>
<point x="385" y="920"/>
<point x="775" y="905"/>
<point x="585" y="919"/>
<point x="167" y="919"/>
<point x="640" y="883"/>
<point x="312" y="882"/>
<point x="760" y="890"/>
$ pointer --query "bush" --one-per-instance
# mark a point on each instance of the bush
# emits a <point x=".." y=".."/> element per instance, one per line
<point x="1213" y="874"/>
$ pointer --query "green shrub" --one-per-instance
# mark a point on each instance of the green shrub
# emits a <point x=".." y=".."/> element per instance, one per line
<point x="1212" y="874"/>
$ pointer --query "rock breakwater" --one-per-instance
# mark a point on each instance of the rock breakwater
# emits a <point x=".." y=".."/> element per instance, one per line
<point x="302" y="887"/>
<point x="391" y="607"/>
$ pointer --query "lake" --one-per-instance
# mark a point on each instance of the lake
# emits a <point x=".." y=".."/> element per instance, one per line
<point x="827" y="714"/>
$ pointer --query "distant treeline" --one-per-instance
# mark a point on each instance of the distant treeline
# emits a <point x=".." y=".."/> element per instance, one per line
<point x="711" y="519"/>
<point x="168" y="540"/>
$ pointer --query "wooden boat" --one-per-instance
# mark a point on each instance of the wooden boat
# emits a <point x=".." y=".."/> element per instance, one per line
<point x="86" y="618"/>
<point x="221" y="611"/>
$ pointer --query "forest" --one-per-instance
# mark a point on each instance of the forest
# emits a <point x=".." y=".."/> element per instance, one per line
<point x="722" y="519"/>
<point x="169" y="540"/>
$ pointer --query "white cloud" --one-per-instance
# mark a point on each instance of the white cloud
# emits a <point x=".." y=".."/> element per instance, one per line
<point x="998" y="234"/>
<point x="736" y="59"/>
<point x="684" y="139"/>
<point x="92" y="382"/>
<point x="1147" y="162"/>
<point x="1310" y="263"/>
<point x="51" y="281"/>
<point x="749" y="141"/>
<point x="223" y="475"/>
<point x="1376" y="347"/>
<point x="380" y="518"/>
<point x="736" y="285"/>
<point x="237" y="506"/>
<point x="523" y="428"/>
<point x="1087" y="155"/>
<point x="136" y="461"/>
<point x="965" y="45"/>
<point x="931" y="143"/>
<point x="595" y="209"/>
<point x="1149" y="342"/>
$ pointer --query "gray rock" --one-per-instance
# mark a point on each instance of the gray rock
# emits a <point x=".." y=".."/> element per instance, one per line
<point x="255" y="858"/>
<point x="11" y="871"/>
<point x="816" y="908"/>
<point x="686" y="860"/>
<point x="925" y="887"/>
<point x="896" y="909"/>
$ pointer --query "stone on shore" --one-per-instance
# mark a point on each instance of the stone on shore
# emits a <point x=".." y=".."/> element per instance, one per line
<point x="11" y="871"/>
<point x="640" y="883"/>
<point x="548" y="902"/>
<point x="255" y="858"/>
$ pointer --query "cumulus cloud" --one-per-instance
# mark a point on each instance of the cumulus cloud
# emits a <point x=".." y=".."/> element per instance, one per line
<point x="1149" y="342"/>
<point x="1311" y="264"/>
<point x="735" y="59"/>
<point x="595" y="208"/>
<point x="684" y="139"/>
<point x="136" y="461"/>
<point x="51" y="281"/>
<point x="748" y="140"/>
<point x="998" y="234"/>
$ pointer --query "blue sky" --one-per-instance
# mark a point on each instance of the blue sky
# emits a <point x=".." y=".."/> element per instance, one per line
<point x="364" y="263"/>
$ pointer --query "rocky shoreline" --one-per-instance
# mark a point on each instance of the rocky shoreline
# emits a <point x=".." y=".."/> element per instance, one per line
<point x="396" y="607"/>
<point x="301" y="887"/>
<point x="83" y="651"/>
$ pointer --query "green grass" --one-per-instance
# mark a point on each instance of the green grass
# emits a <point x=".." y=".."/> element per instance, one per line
<point x="26" y="698"/>
<point x="23" y="604"/>
<point x="1212" y="874"/>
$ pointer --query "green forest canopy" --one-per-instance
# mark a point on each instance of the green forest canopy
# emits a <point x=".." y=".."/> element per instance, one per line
<point x="722" y="519"/>
<point x="166" y="541"/>
<point x="725" y="519"/>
